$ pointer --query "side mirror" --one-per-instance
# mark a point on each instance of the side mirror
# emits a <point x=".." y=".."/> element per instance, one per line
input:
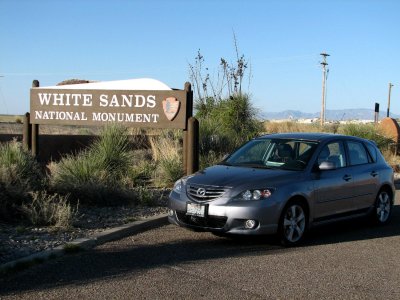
<point x="327" y="165"/>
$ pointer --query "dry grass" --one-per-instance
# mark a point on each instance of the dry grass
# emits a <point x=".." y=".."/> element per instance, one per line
<point x="280" y="127"/>
<point x="10" y="118"/>
<point x="167" y="154"/>
<point x="391" y="157"/>
<point x="50" y="210"/>
<point x="164" y="148"/>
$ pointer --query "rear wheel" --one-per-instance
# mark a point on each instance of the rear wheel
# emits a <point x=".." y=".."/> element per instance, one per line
<point x="383" y="207"/>
<point x="293" y="224"/>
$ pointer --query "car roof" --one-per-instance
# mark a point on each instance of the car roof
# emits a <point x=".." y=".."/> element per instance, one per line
<point x="309" y="136"/>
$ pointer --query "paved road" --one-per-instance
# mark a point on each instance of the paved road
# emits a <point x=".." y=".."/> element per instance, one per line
<point x="350" y="260"/>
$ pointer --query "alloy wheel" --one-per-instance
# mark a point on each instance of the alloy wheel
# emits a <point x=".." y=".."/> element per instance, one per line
<point x="383" y="207"/>
<point x="294" y="223"/>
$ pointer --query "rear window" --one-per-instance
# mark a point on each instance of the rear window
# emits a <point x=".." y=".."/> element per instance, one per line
<point x="372" y="151"/>
<point x="358" y="154"/>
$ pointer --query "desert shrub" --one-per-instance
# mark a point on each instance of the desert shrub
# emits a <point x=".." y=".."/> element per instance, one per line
<point x="225" y="125"/>
<point x="145" y="196"/>
<point x="97" y="175"/>
<point x="19" y="167"/>
<point x="19" y="174"/>
<point x="142" y="171"/>
<point x="392" y="158"/>
<point x="367" y="131"/>
<point x="49" y="210"/>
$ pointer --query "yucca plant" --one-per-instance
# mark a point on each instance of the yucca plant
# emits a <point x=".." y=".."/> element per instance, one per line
<point x="96" y="176"/>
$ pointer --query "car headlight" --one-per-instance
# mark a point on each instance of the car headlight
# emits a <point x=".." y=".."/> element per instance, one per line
<point x="178" y="186"/>
<point x="180" y="183"/>
<point x="255" y="194"/>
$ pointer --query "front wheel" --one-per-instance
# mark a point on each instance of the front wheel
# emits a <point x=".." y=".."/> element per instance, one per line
<point x="383" y="208"/>
<point x="293" y="224"/>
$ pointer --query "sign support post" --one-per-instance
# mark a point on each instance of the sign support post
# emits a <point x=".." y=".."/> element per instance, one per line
<point x="192" y="146"/>
<point x="27" y="132"/>
<point x="35" y="129"/>
<point x="189" y="113"/>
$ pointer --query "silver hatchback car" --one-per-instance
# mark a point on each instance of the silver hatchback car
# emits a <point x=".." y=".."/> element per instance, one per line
<point x="284" y="184"/>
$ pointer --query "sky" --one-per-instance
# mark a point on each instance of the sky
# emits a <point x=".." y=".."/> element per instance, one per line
<point x="52" y="41"/>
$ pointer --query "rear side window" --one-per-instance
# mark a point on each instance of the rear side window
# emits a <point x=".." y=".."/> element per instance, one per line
<point x="357" y="152"/>
<point x="372" y="152"/>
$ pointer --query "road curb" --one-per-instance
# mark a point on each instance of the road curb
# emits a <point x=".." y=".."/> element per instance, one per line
<point x="105" y="236"/>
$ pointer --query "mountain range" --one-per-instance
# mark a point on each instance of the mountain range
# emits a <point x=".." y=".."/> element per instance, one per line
<point x="330" y="115"/>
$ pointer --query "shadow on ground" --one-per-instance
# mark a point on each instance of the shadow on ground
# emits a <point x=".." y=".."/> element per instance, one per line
<point x="81" y="268"/>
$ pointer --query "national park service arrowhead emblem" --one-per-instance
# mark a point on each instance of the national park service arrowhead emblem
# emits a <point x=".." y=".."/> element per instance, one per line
<point x="171" y="107"/>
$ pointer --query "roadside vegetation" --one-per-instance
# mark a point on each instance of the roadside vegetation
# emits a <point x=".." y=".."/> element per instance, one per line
<point x="110" y="172"/>
<point x="113" y="172"/>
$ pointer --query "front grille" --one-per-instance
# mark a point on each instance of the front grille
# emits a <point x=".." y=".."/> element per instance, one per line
<point x="204" y="193"/>
<point x="215" y="222"/>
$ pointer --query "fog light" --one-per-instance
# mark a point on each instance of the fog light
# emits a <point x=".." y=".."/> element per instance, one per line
<point x="170" y="212"/>
<point x="250" y="224"/>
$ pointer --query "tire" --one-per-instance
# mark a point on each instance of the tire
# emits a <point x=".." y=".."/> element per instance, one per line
<point x="293" y="224"/>
<point x="383" y="208"/>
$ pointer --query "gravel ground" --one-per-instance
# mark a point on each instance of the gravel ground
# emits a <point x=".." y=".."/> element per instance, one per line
<point x="19" y="241"/>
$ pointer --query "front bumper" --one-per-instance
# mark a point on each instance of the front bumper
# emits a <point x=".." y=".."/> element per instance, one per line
<point x="225" y="216"/>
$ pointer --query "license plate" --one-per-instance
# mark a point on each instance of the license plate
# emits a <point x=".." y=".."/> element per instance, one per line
<point x="194" y="209"/>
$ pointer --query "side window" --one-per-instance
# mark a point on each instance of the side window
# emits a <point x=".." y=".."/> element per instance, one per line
<point x="372" y="152"/>
<point x="333" y="152"/>
<point x="357" y="152"/>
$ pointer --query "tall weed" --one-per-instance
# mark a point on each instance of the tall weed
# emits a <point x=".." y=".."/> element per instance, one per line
<point x="167" y="154"/>
<point x="49" y="210"/>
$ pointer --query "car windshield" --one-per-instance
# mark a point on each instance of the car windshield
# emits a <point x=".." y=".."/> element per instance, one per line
<point x="289" y="154"/>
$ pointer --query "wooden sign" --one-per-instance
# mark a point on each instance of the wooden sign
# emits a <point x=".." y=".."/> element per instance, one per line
<point x="153" y="109"/>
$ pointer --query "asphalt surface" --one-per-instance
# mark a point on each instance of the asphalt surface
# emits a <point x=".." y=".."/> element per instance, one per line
<point x="342" y="261"/>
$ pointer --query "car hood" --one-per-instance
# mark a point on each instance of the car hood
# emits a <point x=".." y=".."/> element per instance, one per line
<point x="232" y="176"/>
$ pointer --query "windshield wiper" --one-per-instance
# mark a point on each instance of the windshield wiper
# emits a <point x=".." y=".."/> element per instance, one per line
<point x="224" y="163"/>
<point x="250" y="165"/>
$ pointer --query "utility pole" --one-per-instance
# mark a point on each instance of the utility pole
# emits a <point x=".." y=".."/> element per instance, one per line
<point x="390" y="90"/>
<point x="324" y="76"/>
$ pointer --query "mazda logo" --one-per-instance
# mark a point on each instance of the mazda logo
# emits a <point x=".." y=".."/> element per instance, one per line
<point x="201" y="192"/>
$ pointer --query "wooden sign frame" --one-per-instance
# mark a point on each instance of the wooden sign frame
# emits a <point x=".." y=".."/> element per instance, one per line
<point x="133" y="108"/>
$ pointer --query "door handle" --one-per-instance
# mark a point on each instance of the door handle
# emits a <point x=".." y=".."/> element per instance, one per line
<point x="374" y="173"/>
<point x="347" y="177"/>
